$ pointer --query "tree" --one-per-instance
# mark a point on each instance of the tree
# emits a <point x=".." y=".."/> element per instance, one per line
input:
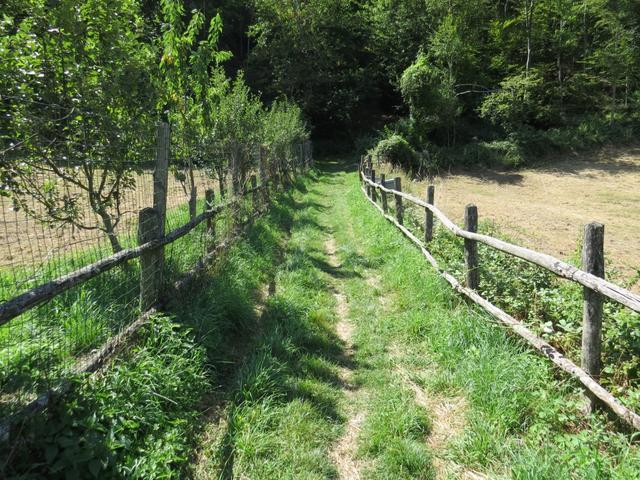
<point x="79" y="111"/>
<point x="428" y="91"/>
<point x="311" y="52"/>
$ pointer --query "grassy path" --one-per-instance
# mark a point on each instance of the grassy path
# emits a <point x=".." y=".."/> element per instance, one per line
<point x="367" y="366"/>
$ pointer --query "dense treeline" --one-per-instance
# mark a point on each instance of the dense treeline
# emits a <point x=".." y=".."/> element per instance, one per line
<point x="485" y="78"/>
<point x="449" y="80"/>
<point x="83" y="84"/>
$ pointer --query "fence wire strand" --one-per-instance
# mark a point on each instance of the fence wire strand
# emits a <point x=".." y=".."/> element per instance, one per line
<point x="52" y="229"/>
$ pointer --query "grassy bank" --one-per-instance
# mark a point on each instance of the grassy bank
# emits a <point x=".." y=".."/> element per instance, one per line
<point x="41" y="346"/>
<point x="139" y="417"/>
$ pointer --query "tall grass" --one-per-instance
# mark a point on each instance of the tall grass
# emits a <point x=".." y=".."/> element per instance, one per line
<point x="524" y="418"/>
<point x="139" y="418"/>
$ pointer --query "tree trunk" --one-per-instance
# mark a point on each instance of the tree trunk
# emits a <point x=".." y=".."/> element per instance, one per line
<point x="528" y="13"/>
<point x="109" y="230"/>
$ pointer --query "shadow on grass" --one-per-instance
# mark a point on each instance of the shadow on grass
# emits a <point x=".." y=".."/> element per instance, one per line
<point x="137" y="405"/>
<point x="151" y="399"/>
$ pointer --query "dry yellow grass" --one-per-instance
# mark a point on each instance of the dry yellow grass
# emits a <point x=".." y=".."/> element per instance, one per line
<point x="546" y="207"/>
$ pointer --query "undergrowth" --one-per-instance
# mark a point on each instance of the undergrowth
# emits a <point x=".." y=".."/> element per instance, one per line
<point x="139" y="417"/>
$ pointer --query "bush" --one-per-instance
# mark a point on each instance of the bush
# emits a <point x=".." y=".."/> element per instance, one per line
<point x="398" y="152"/>
<point x="517" y="103"/>
<point x="429" y="95"/>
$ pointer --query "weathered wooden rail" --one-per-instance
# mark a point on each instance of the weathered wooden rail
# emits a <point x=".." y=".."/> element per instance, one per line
<point x="591" y="278"/>
<point x="150" y="250"/>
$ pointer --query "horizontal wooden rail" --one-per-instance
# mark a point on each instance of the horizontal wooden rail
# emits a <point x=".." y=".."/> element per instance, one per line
<point x="45" y="292"/>
<point x="628" y="416"/>
<point x="554" y="265"/>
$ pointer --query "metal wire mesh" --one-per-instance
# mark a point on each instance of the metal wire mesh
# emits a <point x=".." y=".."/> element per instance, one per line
<point x="38" y="244"/>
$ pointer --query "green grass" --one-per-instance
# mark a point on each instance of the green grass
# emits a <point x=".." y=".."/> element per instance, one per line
<point x="139" y="418"/>
<point x="38" y="348"/>
<point x="522" y="419"/>
<point x="218" y="389"/>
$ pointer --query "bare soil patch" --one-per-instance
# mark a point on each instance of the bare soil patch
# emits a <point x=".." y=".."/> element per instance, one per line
<point x="546" y="207"/>
<point x="343" y="453"/>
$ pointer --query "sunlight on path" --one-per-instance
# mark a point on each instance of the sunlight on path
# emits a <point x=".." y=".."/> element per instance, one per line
<point x="344" y="452"/>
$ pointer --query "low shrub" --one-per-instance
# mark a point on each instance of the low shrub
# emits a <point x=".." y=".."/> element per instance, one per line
<point x="398" y="152"/>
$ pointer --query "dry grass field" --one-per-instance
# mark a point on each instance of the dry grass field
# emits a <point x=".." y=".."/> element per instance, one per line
<point x="546" y="207"/>
<point x="26" y="242"/>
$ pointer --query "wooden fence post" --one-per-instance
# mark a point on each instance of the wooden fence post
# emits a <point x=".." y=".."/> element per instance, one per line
<point x="161" y="173"/>
<point x="161" y="185"/>
<point x="307" y="154"/>
<point x="428" y="215"/>
<point x="301" y="158"/>
<point x="373" y="189"/>
<point x="193" y="203"/>
<point x="471" y="247"/>
<point x="254" y="193"/>
<point x="398" y="198"/>
<point x="151" y="262"/>
<point x="367" y="174"/>
<point x="210" y="199"/>
<point x="383" y="195"/>
<point x="592" y="262"/>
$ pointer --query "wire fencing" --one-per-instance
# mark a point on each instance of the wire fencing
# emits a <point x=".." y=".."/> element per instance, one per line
<point x="77" y="265"/>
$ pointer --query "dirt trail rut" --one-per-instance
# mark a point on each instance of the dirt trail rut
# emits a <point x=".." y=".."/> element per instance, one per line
<point x="344" y="452"/>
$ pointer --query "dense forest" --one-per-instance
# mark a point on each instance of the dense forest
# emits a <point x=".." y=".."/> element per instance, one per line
<point x="491" y="80"/>
<point x="426" y="82"/>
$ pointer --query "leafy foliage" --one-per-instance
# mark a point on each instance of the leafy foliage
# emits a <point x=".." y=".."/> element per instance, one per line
<point x="396" y="151"/>
<point x="86" y="82"/>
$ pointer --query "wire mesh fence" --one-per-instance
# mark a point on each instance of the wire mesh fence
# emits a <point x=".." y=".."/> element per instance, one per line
<point x="60" y="225"/>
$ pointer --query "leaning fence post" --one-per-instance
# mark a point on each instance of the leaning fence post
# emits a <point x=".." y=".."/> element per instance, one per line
<point x="151" y="261"/>
<point x="373" y="189"/>
<point x="193" y="203"/>
<point x="210" y="198"/>
<point x="471" y="247"/>
<point x="383" y="194"/>
<point x="428" y="215"/>
<point x="398" y="198"/>
<point x="592" y="262"/>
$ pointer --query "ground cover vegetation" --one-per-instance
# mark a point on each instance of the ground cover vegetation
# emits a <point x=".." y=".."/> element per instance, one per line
<point x="548" y="305"/>
<point x="139" y="417"/>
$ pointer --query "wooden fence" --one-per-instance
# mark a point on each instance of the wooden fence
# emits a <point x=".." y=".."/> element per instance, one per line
<point x="150" y="250"/>
<point x="590" y="277"/>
